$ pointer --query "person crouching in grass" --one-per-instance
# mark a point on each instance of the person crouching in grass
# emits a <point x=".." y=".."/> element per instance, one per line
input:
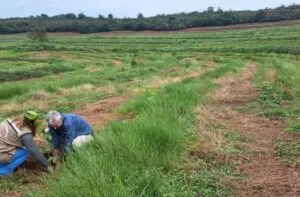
<point x="16" y="143"/>
<point x="68" y="131"/>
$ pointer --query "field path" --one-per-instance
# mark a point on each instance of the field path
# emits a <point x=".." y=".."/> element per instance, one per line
<point x="264" y="173"/>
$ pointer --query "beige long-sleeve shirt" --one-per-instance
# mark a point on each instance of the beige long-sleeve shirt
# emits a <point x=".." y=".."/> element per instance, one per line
<point x="10" y="138"/>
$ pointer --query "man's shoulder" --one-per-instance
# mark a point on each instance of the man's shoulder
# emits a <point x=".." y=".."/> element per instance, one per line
<point x="71" y="116"/>
<point x="70" y="119"/>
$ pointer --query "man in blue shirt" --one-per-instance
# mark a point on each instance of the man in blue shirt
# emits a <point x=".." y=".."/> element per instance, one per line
<point x="69" y="130"/>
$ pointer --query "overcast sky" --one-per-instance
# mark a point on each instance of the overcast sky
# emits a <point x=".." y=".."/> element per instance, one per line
<point x="127" y="8"/>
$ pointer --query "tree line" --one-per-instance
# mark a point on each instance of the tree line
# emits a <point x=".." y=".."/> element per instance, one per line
<point x="71" y="22"/>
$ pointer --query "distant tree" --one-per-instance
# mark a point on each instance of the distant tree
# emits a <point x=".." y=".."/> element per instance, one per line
<point x="260" y="16"/>
<point x="140" y="16"/>
<point x="81" y="16"/>
<point x="72" y="16"/>
<point x="228" y="17"/>
<point x="219" y="10"/>
<point x="110" y="16"/>
<point x="100" y="16"/>
<point x="44" y="16"/>
<point x="70" y="22"/>
<point x="210" y="9"/>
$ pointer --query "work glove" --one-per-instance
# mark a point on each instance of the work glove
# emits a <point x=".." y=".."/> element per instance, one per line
<point x="50" y="169"/>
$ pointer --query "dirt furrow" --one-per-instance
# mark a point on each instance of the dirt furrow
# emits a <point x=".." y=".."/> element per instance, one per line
<point x="264" y="173"/>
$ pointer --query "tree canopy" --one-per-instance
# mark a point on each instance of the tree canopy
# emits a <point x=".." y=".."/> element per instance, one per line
<point x="71" y="22"/>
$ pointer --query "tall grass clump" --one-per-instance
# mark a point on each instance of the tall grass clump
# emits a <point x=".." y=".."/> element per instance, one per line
<point x="139" y="157"/>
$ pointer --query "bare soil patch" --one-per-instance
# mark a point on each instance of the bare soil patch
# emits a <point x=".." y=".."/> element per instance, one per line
<point x="100" y="113"/>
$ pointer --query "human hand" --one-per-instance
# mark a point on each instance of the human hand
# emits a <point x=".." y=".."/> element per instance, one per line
<point x="55" y="152"/>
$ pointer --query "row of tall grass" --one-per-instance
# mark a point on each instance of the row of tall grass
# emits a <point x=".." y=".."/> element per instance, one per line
<point x="279" y="84"/>
<point x="54" y="67"/>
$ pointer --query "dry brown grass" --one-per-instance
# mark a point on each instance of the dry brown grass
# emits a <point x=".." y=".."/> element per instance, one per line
<point x="11" y="194"/>
<point x="93" y="69"/>
<point x="139" y="60"/>
<point x="13" y="108"/>
<point x="40" y="95"/>
<point x="172" y="69"/>
<point x="210" y="140"/>
<point x="210" y="64"/>
<point x="157" y="82"/>
<point x="236" y="89"/>
<point x="39" y="100"/>
<point x="78" y="89"/>
<point x="118" y="63"/>
<point x="67" y="56"/>
<point x="109" y="89"/>
<point x="270" y="75"/>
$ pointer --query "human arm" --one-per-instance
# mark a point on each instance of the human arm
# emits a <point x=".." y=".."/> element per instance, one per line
<point x="28" y="142"/>
<point x="55" y="139"/>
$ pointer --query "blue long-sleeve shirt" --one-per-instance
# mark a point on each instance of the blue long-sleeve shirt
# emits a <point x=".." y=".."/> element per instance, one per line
<point x="72" y="127"/>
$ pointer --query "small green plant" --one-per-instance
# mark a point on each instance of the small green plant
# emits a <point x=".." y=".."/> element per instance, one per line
<point x="288" y="150"/>
<point x="270" y="94"/>
<point x="47" y="150"/>
<point x="236" y="137"/>
<point x="294" y="127"/>
<point x="273" y="113"/>
<point x="134" y="62"/>
<point x="235" y="142"/>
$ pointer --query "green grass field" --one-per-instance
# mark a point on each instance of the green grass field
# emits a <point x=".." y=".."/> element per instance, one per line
<point x="168" y="77"/>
